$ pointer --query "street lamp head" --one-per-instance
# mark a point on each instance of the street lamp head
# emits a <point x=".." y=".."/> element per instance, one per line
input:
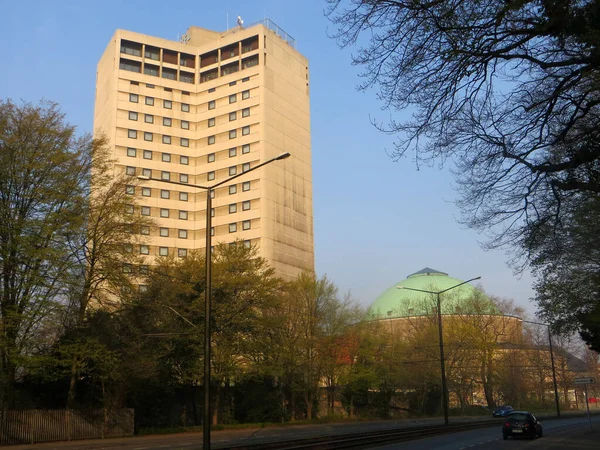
<point x="283" y="156"/>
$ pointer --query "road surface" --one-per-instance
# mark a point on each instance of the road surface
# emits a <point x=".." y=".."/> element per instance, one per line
<point x="563" y="434"/>
<point x="227" y="438"/>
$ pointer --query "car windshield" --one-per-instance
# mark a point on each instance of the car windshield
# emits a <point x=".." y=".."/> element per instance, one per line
<point x="518" y="416"/>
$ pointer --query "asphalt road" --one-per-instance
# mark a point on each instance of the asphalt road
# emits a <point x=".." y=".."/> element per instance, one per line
<point x="223" y="439"/>
<point x="564" y="434"/>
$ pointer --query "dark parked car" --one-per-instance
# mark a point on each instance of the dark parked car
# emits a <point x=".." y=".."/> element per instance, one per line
<point x="521" y="423"/>
<point x="502" y="411"/>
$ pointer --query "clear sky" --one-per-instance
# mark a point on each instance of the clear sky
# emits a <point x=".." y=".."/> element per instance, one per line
<point x="376" y="221"/>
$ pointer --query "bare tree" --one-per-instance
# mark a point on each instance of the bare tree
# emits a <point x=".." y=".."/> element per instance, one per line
<point x="508" y="90"/>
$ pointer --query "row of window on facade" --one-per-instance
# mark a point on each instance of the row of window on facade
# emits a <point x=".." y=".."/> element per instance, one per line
<point x="186" y="59"/>
<point x="183" y="215"/>
<point x="183" y="159"/>
<point x="183" y="76"/>
<point x="185" y="125"/>
<point x="185" y="142"/>
<point x="185" y="107"/>
<point x="168" y="89"/>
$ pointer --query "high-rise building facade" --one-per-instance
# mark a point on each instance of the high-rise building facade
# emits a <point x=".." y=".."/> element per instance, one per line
<point x="200" y="110"/>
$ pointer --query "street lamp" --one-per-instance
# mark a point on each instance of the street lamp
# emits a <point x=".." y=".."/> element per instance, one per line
<point x="439" y="317"/>
<point x="207" y="292"/>
<point x="552" y="362"/>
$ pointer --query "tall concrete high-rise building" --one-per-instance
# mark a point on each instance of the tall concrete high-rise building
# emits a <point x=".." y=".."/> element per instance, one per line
<point x="200" y="110"/>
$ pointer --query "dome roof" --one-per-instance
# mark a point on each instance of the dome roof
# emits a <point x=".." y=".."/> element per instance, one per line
<point x="396" y="302"/>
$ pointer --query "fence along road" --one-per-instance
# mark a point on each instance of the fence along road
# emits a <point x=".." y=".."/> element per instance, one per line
<point x="31" y="426"/>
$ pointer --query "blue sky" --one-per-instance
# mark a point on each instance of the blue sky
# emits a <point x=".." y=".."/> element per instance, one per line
<point x="376" y="221"/>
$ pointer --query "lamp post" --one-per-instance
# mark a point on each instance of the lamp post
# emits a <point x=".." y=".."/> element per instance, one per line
<point x="441" y="338"/>
<point x="552" y="363"/>
<point x="207" y="292"/>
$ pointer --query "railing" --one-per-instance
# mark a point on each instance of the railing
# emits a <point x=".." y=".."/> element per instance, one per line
<point x="268" y="23"/>
<point x="30" y="426"/>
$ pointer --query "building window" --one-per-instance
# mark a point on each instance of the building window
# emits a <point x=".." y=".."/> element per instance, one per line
<point x="212" y="233"/>
<point x="182" y="252"/>
<point x="183" y="196"/>
<point x="246" y="186"/>
<point x="151" y="53"/>
<point x="147" y="173"/>
<point x="246" y="205"/>
<point x="185" y="107"/>
<point x="232" y="189"/>
<point x="132" y="134"/>
<point x="167" y="104"/>
<point x="164" y="232"/>
<point x="210" y="176"/>
<point x="144" y="250"/>
<point x="245" y="79"/>
<point x="165" y="193"/>
<point x="131" y="48"/>
<point x="232" y="170"/>
<point x="145" y="210"/>
<point x="212" y="90"/>
<point x="212" y="210"/>
<point x="232" y="227"/>
<point x="163" y="251"/>
<point x="148" y="136"/>
<point x="211" y="140"/>
<point x="246" y="225"/>
<point x="245" y="95"/>
<point x="166" y="157"/>
<point x="185" y="160"/>
<point x="130" y="170"/>
<point x="185" y="142"/>
<point x="131" y="152"/>
<point x="246" y="148"/>
<point x="246" y="130"/>
<point x="151" y="69"/>
<point x="150" y="101"/>
<point x="166" y="139"/>
<point x="232" y="134"/>
<point x="183" y="178"/>
<point x="166" y="121"/>
<point x="211" y="122"/>
<point x="245" y="167"/>
<point x="212" y="104"/>
<point x="144" y="269"/>
<point x="183" y="215"/>
<point x="185" y="125"/>
<point x="126" y="268"/>
<point x="143" y="288"/>
<point x="148" y="118"/>
<point x="212" y="193"/>
<point x="166" y="176"/>
<point x="232" y="98"/>
<point x="146" y="192"/>
<point x="232" y="116"/>
<point x="164" y="212"/>
<point x="134" y="98"/>
<point x="133" y="115"/>
<point x="147" y="154"/>
<point x="182" y="234"/>
<point x="145" y="230"/>
<point x="211" y="157"/>
<point x="232" y="152"/>
<point x="233" y="208"/>
<point x="245" y="112"/>
<point x="130" y="190"/>
<point x="247" y="244"/>
<point x="129" y="209"/>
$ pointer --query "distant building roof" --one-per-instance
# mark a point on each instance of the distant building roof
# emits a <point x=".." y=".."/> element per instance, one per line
<point x="405" y="301"/>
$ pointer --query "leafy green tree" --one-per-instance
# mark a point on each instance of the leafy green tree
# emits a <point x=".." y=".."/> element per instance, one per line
<point x="43" y="170"/>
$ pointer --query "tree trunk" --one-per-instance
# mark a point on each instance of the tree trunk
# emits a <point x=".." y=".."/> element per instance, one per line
<point x="72" y="384"/>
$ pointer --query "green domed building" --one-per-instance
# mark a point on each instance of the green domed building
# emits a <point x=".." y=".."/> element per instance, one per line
<point x="398" y="303"/>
